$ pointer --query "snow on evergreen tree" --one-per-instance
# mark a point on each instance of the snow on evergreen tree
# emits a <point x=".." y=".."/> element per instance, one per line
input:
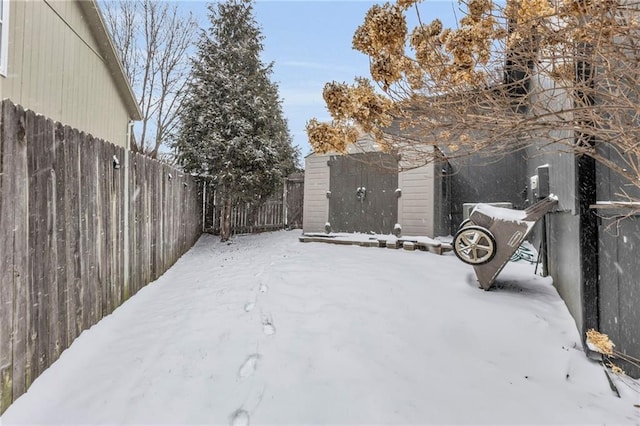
<point x="288" y="155"/>
<point x="233" y="129"/>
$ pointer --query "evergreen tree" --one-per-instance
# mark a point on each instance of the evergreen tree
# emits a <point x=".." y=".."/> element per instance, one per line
<point x="288" y="155"/>
<point x="233" y="129"/>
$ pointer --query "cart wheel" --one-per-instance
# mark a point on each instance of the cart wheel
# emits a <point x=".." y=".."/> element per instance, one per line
<point x="465" y="223"/>
<point x="474" y="245"/>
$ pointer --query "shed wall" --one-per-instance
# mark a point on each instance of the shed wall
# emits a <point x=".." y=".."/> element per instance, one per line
<point x="316" y="185"/>
<point x="55" y="69"/>
<point x="416" y="204"/>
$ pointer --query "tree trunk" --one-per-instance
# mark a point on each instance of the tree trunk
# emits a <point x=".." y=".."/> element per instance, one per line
<point x="225" y="220"/>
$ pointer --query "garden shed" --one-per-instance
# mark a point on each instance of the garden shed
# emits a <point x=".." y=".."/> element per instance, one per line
<point x="367" y="190"/>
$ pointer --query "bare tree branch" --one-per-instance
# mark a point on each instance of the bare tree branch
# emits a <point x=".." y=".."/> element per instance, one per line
<point x="153" y="40"/>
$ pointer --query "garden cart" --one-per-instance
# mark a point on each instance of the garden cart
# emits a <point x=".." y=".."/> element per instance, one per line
<point x="491" y="235"/>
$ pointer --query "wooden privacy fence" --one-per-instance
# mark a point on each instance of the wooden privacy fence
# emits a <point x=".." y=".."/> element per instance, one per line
<point x="79" y="234"/>
<point x="281" y="210"/>
<point x="266" y="216"/>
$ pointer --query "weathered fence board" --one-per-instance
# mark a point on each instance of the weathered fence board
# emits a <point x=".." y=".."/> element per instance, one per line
<point x="63" y="239"/>
<point x="74" y="234"/>
<point x="60" y="215"/>
<point x="8" y="189"/>
<point x="36" y="251"/>
<point x="16" y="172"/>
<point x="20" y="262"/>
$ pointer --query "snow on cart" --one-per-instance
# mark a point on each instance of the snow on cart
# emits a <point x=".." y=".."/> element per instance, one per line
<point x="491" y="235"/>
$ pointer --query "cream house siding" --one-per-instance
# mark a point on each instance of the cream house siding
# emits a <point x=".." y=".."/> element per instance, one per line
<point x="56" y="68"/>
<point x="316" y="185"/>
<point x="4" y="35"/>
<point x="416" y="203"/>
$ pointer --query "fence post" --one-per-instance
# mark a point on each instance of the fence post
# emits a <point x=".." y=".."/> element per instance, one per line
<point x="284" y="202"/>
<point x="126" y="200"/>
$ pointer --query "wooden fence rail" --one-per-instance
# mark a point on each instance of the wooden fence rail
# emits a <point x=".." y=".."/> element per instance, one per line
<point x="78" y="236"/>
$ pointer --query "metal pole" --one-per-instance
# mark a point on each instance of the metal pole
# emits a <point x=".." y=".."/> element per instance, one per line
<point x="544" y="250"/>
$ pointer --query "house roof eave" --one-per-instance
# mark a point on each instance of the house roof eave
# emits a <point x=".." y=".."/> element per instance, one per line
<point x="95" y="21"/>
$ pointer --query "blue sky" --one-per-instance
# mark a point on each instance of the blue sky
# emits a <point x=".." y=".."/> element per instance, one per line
<point x="310" y="45"/>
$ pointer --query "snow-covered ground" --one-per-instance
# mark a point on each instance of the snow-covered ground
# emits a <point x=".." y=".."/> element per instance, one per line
<point x="268" y="330"/>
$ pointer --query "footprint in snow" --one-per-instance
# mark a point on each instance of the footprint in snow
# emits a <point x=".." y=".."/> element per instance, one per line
<point x="263" y="288"/>
<point x="249" y="306"/>
<point x="239" y="417"/>
<point x="249" y="366"/>
<point x="268" y="327"/>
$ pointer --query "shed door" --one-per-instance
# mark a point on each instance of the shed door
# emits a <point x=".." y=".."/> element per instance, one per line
<point x="363" y="197"/>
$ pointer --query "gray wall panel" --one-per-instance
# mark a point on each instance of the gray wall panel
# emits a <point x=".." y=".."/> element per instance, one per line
<point x="486" y="179"/>
<point x="564" y="261"/>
